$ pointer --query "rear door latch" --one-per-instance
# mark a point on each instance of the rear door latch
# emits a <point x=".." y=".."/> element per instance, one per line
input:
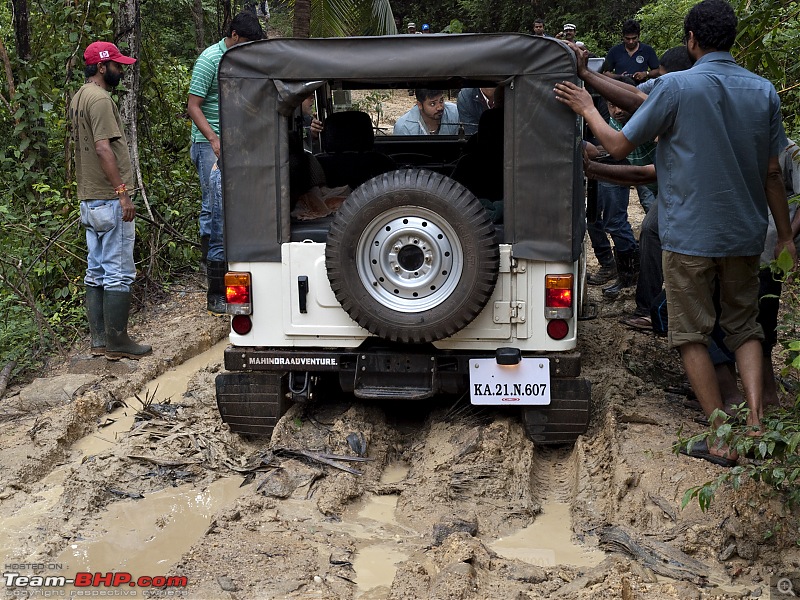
<point x="302" y="292"/>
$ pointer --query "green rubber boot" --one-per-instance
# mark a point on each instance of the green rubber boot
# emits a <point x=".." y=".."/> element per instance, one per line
<point x="94" y="314"/>
<point x="116" y="306"/>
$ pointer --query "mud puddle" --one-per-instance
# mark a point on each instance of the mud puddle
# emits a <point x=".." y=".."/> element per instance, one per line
<point x="547" y="541"/>
<point x="147" y="536"/>
<point x="375" y="564"/>
<point x="384" y="542"/>
<point x="169" y="386"/>
<point x="131" y="534"/>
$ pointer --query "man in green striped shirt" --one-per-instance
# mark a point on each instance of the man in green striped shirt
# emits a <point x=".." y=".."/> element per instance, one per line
<point x="203" y="109"/>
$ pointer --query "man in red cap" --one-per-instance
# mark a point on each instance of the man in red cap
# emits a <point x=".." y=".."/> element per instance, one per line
<point x="105" y="178"/>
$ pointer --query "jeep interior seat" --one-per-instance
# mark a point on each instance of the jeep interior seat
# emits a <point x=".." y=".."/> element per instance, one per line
<point x="481" y="171"/>
<point x="348" y="157"/>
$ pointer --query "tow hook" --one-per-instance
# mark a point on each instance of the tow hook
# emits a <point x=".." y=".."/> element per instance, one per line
<point x="300" y="386"/>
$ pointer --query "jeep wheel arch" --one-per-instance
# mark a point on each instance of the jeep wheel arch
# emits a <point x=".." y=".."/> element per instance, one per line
<point x="412" y="256"/>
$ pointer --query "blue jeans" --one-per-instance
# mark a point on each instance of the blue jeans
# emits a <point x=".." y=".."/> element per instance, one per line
<point x="646" y="197"/>
<point x="216" y="246"/>
<point x="110" y="242"/>
<point x="203" y="158"/>
<point x="612" y="219"/>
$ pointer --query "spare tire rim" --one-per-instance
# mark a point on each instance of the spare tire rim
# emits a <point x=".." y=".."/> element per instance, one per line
<point x="409" y="259"/>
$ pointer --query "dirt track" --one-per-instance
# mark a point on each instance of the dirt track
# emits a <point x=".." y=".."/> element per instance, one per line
<point x="451" y="502"/>
<point x="447" y="483"/>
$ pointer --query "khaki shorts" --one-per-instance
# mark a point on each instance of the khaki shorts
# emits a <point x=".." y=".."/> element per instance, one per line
<point x="689" y="281"/>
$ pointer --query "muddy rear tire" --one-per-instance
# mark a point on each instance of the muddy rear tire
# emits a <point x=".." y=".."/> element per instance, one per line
<point x="412" y="256"/>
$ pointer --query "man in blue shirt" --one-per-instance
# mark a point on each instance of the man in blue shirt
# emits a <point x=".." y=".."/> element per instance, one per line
<point x="719" y="130"/>
<point x="472" y="102"/>
<point x="631" y="57"/>
<point x="431" y="116"/>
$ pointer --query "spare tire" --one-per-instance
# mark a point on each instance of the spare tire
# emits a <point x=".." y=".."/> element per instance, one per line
<point x="412" y="256"/>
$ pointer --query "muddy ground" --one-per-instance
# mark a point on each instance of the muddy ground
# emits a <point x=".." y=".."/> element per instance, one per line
<point x="443" y="485"/>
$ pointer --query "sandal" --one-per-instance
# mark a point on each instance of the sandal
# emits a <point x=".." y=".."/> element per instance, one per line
<point x="637" y="322"/>
<point x="700" y="450"/>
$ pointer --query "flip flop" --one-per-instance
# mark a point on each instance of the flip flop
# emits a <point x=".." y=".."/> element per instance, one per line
<point x="639" y="323"/>
<point x="700" y="450"/>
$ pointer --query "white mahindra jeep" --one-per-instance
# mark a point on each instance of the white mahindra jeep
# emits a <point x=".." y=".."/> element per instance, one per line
<point x="453" y="264"/>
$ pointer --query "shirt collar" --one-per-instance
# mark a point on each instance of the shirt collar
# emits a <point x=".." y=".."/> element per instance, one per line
<point x="718" y="56"/>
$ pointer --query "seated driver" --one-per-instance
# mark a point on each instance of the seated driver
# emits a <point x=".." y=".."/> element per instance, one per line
<point x="431" y="116"/>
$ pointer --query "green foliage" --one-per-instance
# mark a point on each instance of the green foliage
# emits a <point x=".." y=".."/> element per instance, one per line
<point x="775" y="455"/>
<point x="455" y="26"/>
<point x="280" y="21"/>
<point x="44" y="254"/>
<point x="662" y="23"/>
<point x="338" y="18"/>
<point x="372" y="103"/>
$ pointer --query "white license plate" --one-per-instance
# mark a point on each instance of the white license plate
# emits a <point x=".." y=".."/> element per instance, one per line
<point x="525" y="384"/>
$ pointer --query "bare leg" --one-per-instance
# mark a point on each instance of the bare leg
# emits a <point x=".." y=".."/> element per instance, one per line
<point x="703" y="379"/>
<point x="749" y="359"/>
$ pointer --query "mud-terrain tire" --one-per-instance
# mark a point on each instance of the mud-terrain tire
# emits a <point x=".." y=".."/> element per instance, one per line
<point x="412" y="256"/>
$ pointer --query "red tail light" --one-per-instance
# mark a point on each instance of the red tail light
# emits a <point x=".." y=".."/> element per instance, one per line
<point x="238" y="293"/>
<point x="558" y="296"/>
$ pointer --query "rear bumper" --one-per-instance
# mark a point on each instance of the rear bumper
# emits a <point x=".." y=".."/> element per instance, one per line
<point x="387" y="373"/>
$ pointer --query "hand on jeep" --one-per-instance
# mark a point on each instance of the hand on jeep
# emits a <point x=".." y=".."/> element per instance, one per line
<point x="577" y="98"/>
<point x="582" y="56"/>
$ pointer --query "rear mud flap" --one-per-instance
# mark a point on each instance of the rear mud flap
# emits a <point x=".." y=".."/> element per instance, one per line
<point x="565" y="418"/>
<point x="252" y="403"/>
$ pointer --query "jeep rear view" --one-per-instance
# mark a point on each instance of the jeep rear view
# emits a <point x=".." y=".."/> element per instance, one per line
<point x="449" y="265"/>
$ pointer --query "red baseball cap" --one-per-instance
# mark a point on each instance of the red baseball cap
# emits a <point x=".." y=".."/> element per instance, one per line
<point x="98" y="52"/>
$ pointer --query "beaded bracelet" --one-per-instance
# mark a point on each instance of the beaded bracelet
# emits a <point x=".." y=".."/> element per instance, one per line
<point x="120" y="189"/>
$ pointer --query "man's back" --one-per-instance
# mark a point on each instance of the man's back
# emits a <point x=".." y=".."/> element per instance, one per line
<point x="718" y="125"/>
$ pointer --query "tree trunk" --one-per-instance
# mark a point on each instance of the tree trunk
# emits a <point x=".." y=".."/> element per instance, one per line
<point x="199" y="29"/>
<point x="129" y="35"/>
<point x="22" y="29"/>
<point x="9" y="78"/>
<point x="227" y="17"/>
<point x="301" y="22"/>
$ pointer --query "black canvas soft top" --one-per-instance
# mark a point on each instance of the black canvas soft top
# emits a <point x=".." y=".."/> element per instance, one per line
<point x="262" y="82"/>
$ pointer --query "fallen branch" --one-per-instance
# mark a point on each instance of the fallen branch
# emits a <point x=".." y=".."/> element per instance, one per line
<point x="4" y="375"/>
<point x="325" y="459"/>
<point x="163" y="462"/>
